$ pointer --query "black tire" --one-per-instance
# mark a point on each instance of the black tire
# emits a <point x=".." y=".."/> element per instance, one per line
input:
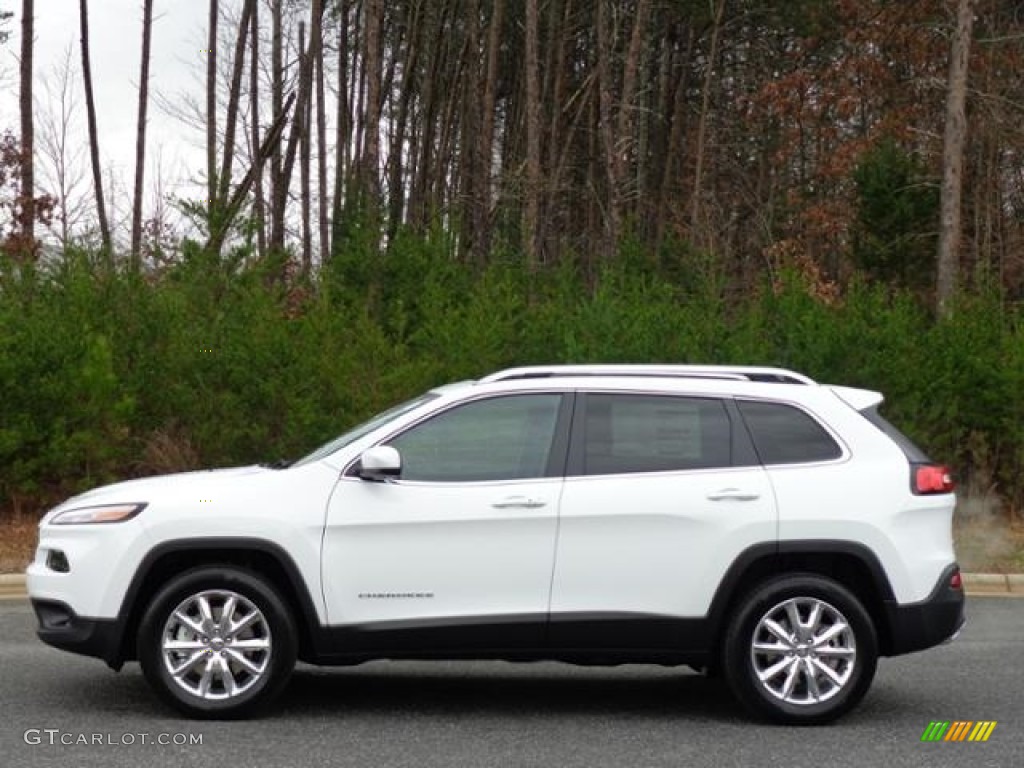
<point x="257" y="674"/>
<point x="801" y="658"/>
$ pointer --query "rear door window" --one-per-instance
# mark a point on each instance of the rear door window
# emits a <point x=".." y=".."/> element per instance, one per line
<point x="627" y="433"/>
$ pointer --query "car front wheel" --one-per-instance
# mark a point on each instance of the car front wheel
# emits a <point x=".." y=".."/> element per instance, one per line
<point x="217" y="642"/>
<point x="800" y="650"/>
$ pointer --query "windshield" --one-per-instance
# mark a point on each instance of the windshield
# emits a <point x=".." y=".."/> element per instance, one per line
<point x="365" y="428"/>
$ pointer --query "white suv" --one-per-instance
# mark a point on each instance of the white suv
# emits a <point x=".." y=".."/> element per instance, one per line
<point x="744" y="521"/>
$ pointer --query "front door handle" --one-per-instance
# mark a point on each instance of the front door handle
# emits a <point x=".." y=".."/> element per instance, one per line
<point x="519" y="502"/>
<point x="733" y="494"/>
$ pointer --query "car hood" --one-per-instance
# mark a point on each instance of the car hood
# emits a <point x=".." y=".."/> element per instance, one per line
<point x="147" y="488"/>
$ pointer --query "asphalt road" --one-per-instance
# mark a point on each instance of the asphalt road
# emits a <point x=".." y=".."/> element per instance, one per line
<point x="497" y="714"/>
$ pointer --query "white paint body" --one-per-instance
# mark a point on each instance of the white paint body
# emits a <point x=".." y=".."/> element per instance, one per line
<point x="654" y="543"/>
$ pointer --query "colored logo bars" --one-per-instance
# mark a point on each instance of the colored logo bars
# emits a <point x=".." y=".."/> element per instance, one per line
<point x="958" y="730"/>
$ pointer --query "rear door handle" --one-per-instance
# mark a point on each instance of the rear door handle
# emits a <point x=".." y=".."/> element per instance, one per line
<point x="519" y="502"/>
<point x="733" y="494"/>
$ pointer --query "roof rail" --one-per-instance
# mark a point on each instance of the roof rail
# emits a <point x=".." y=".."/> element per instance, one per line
<point x="727" y="372"/>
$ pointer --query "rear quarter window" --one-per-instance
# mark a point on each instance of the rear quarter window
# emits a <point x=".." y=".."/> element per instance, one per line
<point x="783" y="434"/>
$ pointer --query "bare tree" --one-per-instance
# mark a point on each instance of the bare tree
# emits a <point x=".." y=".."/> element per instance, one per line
<point x="483" y="185"/>
<point x="953" y="159"/>
<point x="62" y="169"/>
<point x="234" y="101"/>
<point x="304" y="181"/>
<point x="140" y="137"/>
<point x="702" y="124"/>
<point x="278" y="187"/>
<point x="211" y="110"/>
<point x="305" y="89"/>
<point x="321" y="158"/>
<point x="94" y="141"/>
<point x="254" y="107"/>
<point x="28" y="185"/>
<point x="370" y="167"/>
<point x="531" y="215"/>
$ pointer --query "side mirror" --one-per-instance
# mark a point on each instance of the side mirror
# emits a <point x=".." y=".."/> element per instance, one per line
<point x="380" y="464"/>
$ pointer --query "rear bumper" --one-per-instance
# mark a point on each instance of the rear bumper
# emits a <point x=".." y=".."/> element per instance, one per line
<point x="931" y="622"/>
<point x="62" y="628"/>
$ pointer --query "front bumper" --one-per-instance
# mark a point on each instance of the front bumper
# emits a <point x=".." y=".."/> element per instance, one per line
<point x="931" y="622"/>
<point x="62" y="628"/>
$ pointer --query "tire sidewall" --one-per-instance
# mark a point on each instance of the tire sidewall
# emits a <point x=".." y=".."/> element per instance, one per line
<point x="739" y="666"/>
<point x="254" y="588"/>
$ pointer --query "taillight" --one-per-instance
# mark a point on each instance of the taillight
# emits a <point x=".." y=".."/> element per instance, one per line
<point x="956" y="581"/>
<point x="932" y="478"/>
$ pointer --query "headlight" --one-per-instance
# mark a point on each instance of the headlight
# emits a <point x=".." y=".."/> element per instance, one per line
<point x="107" y="513"/>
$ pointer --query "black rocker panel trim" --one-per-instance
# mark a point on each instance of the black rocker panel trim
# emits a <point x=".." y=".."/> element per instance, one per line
<point x="583" y="638"/>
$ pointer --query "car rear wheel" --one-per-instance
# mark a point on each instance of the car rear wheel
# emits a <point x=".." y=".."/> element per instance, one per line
<point x="217" y="642"/>
<point x="800" y="650"/>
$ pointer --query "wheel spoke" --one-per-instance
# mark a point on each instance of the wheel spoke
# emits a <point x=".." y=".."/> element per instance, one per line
<point x="777" y="648"/>
<point x="791" y="676"/>
<point x="187" y="665"/>
<point x="779" y="631"/>
<point x="826" y="670"/>
<point x="227" y="612"/>
<point x="207" y="615"/>
<point x="183" y="645"/>
<point x="252" y="644"/>
<point x="227" y="676"/>
<point x="775" y="669"/>
<point x="793" y="612"/>
<point x="812" y="680"/>
<point x="189" y="622"/>
<point x="836" y="629"/>
<point x="241" y="659"/>
<point x="207" y="679"/>
<point x="245" y="621"/>
<point x="814" y="619"/>
<point x="838" y="653"/>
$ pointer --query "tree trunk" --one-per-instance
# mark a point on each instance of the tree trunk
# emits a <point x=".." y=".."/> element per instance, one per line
<point x="948" y="260"/>
<point x="278" y="189"/>
<point x="211" y="112"/>
<point x="702" y="127"/>
<point x="234" y="100"/>
<point x="28" y="183"/>
<point x="343" y="134"/>
<point x="94" y="141"/>
<point x="371" y="146"/>
<point x="321" y="156"/>
<point x="483" y="184"/>
<point x="300" y="125"/>
<point x="613" y="216"/>
<point x="304" y="181"/>
<point x="140" y="138"/>
<point x="254" y="107"/>
<point x="397" y="163"/>
<point x="531" y="213"/>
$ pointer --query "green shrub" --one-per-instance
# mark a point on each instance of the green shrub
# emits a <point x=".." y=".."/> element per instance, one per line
<point x="105" y="375"/>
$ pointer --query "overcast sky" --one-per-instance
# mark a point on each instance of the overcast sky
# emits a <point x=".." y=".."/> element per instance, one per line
<point x="116" y="40"/>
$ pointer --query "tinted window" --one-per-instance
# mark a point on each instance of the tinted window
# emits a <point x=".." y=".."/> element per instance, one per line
<point x="783" y="434"/>
<point x="503" y="438"/>
<point x="644" y="433"/>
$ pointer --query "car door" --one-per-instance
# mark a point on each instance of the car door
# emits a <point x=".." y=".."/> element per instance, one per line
<point x="458" y="551"/>
<point x="662" y="493"/>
